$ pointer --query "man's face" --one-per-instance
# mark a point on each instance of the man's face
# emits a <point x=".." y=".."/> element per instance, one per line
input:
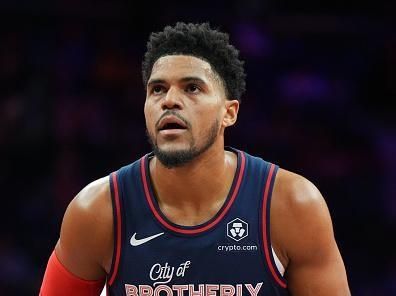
<point x="184" y="108"/>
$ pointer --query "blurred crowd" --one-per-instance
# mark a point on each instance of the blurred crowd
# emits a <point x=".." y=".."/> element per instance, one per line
<point x="319" y="102"/>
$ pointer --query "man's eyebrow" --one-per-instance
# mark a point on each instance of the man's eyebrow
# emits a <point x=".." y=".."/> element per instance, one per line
<point x="193" y="79"/>
<point x="184" y="80"/>
<point x="155" y="81"/>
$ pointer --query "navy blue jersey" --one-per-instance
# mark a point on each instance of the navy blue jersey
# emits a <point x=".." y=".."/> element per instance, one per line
<point x="228" y="255"/>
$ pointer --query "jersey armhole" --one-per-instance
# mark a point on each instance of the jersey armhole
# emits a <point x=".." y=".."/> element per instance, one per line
<point x="117" y="226"/>
<point x="272" y="261"/>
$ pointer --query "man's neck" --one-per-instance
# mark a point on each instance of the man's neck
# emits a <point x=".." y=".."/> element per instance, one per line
<point x="197" y="190"/>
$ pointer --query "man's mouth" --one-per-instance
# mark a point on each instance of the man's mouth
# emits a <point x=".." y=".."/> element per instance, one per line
<point x="171" y="123"/>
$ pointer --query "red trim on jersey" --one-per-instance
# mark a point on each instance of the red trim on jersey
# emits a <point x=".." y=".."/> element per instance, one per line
<point x="118" y="230"/>
<point x="195" y="230"/>
<point x="266" y="246"/>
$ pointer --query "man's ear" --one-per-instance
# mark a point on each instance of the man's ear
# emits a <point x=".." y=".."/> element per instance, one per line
<point x="232" y="108"/>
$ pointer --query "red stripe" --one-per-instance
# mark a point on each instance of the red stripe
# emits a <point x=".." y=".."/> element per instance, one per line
<point x="197" y="230"/>
<point x="118" y="234"/>
<point x="279" y="280"/>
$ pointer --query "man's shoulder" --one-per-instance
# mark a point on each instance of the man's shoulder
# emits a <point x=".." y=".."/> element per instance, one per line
<point x="294" y="189"/>
<point x="93" y="195"/>
<point x="92" y="204"/>
<point x="300" y="218"/>
<point x="84" y="246"/>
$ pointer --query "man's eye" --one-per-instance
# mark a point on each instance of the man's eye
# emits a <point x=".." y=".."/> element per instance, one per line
<point x="193" y="88"/>
<point x="158" y="89"/>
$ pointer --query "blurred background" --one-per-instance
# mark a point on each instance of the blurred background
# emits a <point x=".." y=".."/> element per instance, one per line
<point x="320" y="102"/>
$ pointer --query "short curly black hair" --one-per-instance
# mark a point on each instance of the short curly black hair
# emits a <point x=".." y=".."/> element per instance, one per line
<point x="200" y="41"/>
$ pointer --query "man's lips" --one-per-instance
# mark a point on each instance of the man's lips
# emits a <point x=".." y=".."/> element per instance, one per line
<point x="171" y="122"/>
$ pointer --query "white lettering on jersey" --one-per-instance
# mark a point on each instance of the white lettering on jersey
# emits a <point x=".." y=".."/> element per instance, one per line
<point x="193" y="290"/>
<point x="164" y="274"/>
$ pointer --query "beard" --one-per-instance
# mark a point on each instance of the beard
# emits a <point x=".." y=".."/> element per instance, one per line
<point x="177" y="158"/>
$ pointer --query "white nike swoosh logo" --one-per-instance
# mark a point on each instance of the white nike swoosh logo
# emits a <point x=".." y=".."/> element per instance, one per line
<point x="136" y="242"/>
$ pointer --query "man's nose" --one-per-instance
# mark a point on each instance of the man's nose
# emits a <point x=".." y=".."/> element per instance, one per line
<point x="172" y="99"/>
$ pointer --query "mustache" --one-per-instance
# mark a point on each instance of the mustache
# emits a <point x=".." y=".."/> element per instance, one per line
<point x="174" y="113"/>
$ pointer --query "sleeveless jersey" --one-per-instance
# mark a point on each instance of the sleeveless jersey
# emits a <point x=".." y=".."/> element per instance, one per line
<point x="228" y="255"/>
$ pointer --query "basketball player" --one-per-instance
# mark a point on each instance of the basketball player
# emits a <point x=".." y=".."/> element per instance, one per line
<point x="194" y="217"/>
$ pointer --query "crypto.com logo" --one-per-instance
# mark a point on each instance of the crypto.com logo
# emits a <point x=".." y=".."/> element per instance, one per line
<point x="237" y="229"/>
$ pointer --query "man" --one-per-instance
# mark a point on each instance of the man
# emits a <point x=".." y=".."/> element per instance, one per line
<point x="194" y="217"/>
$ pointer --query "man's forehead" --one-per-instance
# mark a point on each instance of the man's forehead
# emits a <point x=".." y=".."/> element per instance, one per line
<point x="182" y="65"/>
